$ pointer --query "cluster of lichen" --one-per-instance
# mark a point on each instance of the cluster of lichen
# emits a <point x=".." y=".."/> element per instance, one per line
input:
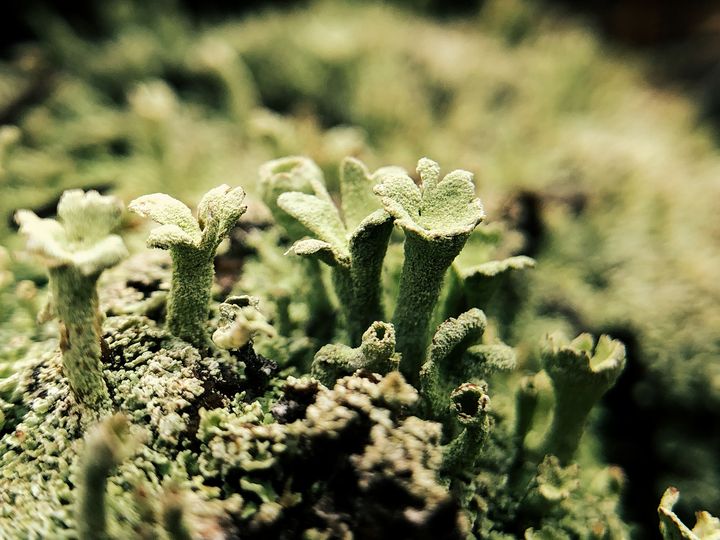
<point x="165" y="432"/>
<point x="161" y="106"/>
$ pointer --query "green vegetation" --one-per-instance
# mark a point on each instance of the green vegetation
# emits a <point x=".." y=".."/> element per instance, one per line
<point x="76" y="249"/>
<point x="293" y="419"/>
<point x="192" y="244"/>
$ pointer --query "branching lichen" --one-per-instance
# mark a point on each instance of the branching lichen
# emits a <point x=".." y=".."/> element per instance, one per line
<point x="352" y="239"/>
<point x="600" y="244"/>
<point x="192" y="243"/>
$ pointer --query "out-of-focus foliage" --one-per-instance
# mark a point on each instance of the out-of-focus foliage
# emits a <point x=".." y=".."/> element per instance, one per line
<point x="607" y="181"/>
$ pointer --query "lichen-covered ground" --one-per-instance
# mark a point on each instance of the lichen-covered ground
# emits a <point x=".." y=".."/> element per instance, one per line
<point x="254" y="452"/>
<point x="608" y="182"/>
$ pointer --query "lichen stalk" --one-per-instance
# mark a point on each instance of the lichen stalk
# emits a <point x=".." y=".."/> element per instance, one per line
<point x="105" y="447"/>
<point x="192" y="242"/>
<point x="471" y="404"/>
<point x="437" y="218"/>
<point x="352" y="242"/>
<point x="189" y="299"/>
<point x="420" y="283"/>
<point x="580" y="373"/>
<point x="80" y="323"/>
<point x="77" y="248"/>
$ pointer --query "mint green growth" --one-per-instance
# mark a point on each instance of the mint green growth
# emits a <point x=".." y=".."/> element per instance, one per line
<point x="471" y="405"/>
<point x="581" y="373"/>
<point x="376" y="354"/>
<point x="192" y="244"/>
<point x="240" y="320"/>
<point x="106" y="446"/>
<point x="437" y="219"/>
<point x="352" y="239"/>
<point x="299" y="174"/>
<point x="449" y="344"/>
<point x="76" y="249"/>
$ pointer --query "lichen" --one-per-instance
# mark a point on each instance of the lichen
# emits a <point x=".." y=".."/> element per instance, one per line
<point x="212" y="437"/>
<point x="146" y="108"/>
<point x="192" y="243"/>
<point x="76" y="249"/>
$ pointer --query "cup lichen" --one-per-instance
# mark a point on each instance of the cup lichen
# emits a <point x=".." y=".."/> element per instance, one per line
<point x="437" y="218"/>
<point x="76" y="248"/>
<point x="192" y="242"/>
<point x="224" y="443"/>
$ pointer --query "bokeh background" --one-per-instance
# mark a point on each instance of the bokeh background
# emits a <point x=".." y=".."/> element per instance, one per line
<point x="592" y="127"/>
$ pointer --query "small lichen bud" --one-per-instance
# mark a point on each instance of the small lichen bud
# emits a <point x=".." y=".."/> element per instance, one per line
<point x="376" y="354"/>
<point x="240" y="321"/>
<point x="552" y="485"/>
<point x="446" y="350"/>
<point x="471" y="405"/>
<point x="173" y="514"/>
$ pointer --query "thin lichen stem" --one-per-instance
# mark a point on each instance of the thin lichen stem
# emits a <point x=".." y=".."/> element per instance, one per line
<point x="568" y="425"/>
<point x="189" y="298"/>
<point x="365" y="306"/>
<point x="105" y="447"/>
<point x="420" y="283"/>
<point x="77" y="248"/>
<point x="462" y="453"/>
<point x="80" y="334"/>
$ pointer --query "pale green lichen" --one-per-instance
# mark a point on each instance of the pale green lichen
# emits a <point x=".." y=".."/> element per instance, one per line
<point x="437" y="219"/>
<point x="707" y="526"/>
<point x="351" y="239"/>
<point x="471" y="405"/>
<point x="298" y="175"/>
<point x="76" y="249"/>
<point x="603" y="243"/>
<point x="240" y="321"/>
<point x="223" y="444"/>
<point x="192" y="242"/>
<point x="451" y="340"/>
<point x="376" y="354"/>
<point x="581" y="372"/>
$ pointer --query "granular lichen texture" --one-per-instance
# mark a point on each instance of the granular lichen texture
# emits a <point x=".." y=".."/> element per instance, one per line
<point x="195" y="438"/>
<point x="341" y="341"/>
